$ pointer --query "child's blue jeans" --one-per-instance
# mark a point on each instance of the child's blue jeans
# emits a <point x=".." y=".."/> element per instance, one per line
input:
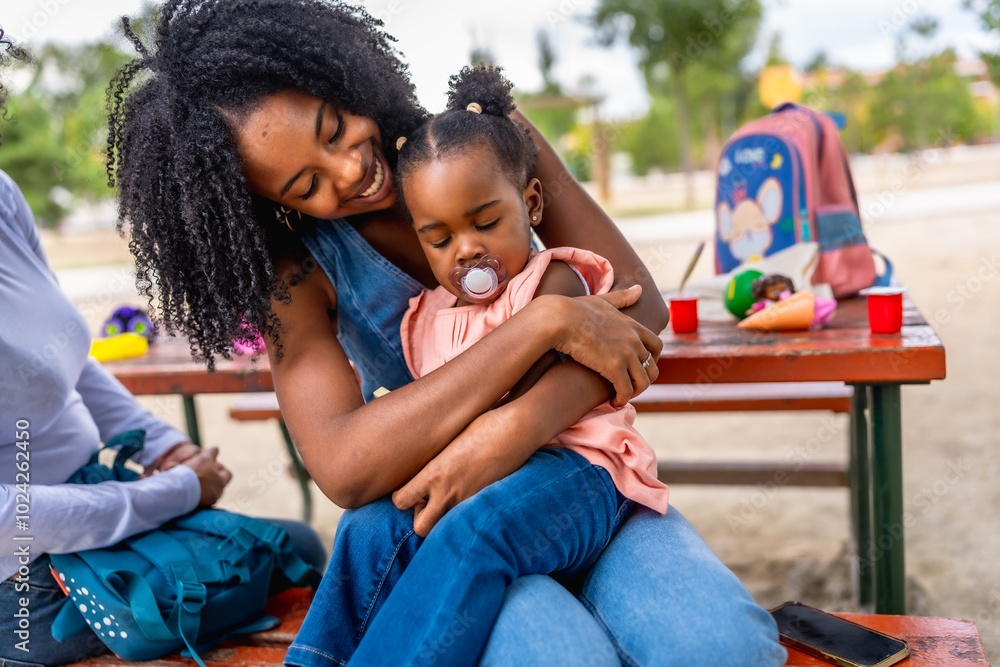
<point x="554" y="515"/>
<point x="657" y="595"/>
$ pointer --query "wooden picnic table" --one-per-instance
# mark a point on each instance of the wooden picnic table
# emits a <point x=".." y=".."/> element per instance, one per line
<point x="845" y="351"/>
<point x="876" y="365"/>
<point x="168" y="368"/>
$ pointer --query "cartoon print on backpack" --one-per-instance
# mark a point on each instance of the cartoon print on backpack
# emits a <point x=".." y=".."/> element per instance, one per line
<point x="746" y="227"/>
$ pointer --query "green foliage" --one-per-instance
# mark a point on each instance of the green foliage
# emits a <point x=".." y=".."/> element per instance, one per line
<point x="680" y="32"/>
<point x="688" y="50"/>
<point x="774" y="54"/>
<point x="852" y="97"/>
<point x="989" y="18"/>
<point x="56" y="129"/>
<point x="924" y="104"/>
<point x="31" y="154"/>
<point x="651" y="141"/>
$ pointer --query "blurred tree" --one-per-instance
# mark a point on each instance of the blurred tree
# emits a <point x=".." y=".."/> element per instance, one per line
<point x="774" y="54"/>
<point x="678" y="41"/>
<point x="989" y="17"/>
<point x="32" y="154"/>
<point x="546" y="61"/>
<point x="482" y="55"/>
<point x="847" y="92"/>
<point x="819" y="63"/>
<point x="651" y="141"/>
<point x="57" y="143"/>
<point x="58" y="132"/>
<point x="555" y="113"/>
<point x="924" y="103"/>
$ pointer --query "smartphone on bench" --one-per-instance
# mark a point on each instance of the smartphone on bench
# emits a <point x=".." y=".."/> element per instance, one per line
<point x="831" y="638"/>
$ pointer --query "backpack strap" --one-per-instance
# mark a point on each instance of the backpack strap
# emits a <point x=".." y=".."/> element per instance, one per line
<point x="67" y="622"/>
<point x="95" y="472"/>
<point x="259" y="624"/>
<point x="243" y="533"/>
<point x="163" y="550"/>
<point x="276" y="538"/>
<point x="885" y="279"/>
<point x="186" y="614"/>
<point x="183" y="620"/>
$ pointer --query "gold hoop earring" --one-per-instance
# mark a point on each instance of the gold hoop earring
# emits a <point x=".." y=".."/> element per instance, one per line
<point x="284" y="216"/>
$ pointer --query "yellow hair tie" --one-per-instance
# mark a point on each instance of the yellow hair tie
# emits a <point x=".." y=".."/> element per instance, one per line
<point x="400" y="142"/>
<point x="474" y="108"/>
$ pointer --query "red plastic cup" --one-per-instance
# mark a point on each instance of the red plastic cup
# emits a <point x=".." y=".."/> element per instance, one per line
<point x="684" y="314"/>
<point x="885" y="309"/>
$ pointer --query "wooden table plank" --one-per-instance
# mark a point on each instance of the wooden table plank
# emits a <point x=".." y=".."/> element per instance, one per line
<point x="167" y="368"/>
<point x="846" y="350"/>
<point x="718" y="352"/>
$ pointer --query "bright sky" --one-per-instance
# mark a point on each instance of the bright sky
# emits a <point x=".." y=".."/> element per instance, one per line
<point x="436" y="36"/>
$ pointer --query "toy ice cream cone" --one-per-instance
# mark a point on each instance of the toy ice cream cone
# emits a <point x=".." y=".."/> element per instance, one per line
<point x="792" y="314"/>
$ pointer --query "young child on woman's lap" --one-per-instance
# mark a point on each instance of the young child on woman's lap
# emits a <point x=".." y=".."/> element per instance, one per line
<point x="465" y="180"/>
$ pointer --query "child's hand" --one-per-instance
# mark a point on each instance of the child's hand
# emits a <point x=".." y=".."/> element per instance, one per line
<point x="471" y="462"/>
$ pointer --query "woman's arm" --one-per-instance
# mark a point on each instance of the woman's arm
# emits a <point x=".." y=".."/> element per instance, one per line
<point x="573" y="218"/>
<point x="358" y="452"/>
<point x="498" y="442"/>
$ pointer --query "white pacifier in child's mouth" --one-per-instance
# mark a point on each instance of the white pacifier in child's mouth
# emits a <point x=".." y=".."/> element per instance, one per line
<point x="481" y="282"/>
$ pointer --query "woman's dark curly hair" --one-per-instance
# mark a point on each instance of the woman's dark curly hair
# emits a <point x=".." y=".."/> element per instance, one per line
<point x="457" y="129"/>
<point x="197" y="233"/>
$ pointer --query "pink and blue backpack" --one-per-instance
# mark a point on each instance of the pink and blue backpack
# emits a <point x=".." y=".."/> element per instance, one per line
<point x="785" y="179"/>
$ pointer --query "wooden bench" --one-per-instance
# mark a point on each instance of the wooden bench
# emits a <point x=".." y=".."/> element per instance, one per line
<point x="659" y="398"/>
<point x="750" y="397"/>
<point x="933" y="641"/>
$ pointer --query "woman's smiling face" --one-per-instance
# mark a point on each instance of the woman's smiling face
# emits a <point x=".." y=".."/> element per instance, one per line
<point x="308" y="155"/>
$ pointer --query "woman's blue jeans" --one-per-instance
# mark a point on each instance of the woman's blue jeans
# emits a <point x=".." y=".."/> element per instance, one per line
<point x="657" y="595"/>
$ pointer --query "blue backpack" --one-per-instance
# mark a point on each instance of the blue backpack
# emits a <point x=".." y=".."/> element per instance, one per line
<point x="189" y="583"/>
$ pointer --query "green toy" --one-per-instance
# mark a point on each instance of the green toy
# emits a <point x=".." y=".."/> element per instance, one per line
<point x="738" y="296"/>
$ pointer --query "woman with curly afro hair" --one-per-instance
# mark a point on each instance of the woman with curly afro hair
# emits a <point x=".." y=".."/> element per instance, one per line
<point x="253" y="146"/>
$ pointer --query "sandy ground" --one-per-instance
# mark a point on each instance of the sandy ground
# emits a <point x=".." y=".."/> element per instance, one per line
<point x="937" y="217"/>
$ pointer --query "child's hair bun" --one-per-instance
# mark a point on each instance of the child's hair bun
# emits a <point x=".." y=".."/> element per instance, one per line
<point x="483" y="85"/>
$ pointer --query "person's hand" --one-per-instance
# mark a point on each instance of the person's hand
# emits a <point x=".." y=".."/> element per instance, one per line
<point x="606" y="341"/>
<point x="212" y="475"/>
<point x="470" y="463"/>
<point x="179" y="453"/>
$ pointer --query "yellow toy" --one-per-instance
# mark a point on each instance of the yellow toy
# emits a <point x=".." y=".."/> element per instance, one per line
<point x="122" y="346"/>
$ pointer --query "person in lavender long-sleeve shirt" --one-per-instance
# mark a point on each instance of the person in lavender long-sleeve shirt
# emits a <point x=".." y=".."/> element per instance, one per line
<point x="63" y="404"/>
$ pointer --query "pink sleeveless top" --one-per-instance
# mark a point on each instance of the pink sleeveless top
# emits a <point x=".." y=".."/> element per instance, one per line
<point x="434" y="332"/>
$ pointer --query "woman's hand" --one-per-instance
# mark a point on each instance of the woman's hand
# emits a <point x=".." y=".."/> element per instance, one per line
<point x="177" y="454"/>
<point x="481" y="454"/>
<point x="595" y="334"/>
<point x="212" y="475"/>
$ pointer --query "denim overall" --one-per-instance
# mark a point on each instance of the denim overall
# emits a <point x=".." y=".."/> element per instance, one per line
<point x="372" y="295"/>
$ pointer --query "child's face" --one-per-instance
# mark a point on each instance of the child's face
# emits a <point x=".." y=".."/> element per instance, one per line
<point x="464" y="207"/>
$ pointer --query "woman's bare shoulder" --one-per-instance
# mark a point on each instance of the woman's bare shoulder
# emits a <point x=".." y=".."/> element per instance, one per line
<point x="304" y="282"/>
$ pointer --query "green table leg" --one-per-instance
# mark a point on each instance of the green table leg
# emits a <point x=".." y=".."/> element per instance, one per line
<point x="887" y="500"/>
<point x="860" y="476"/>
<point x="191" y="416"/>
<point x="301" y="474"/>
